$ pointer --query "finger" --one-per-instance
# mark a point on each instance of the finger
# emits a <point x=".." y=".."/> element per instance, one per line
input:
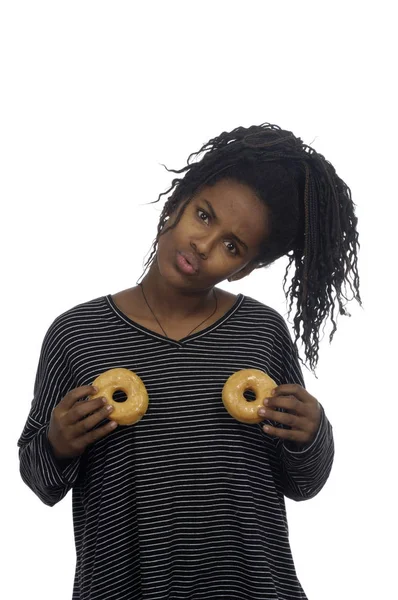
<point x="74" y="395"/>
<point x="293" y="389"/>
<point x="290" y="403"/>
<point x="84" y="425"/>
<point x="82" y="409"/>
<point x="293" y="435"/>
<point x="92" y="436"/>
<point x="286" y="418"/>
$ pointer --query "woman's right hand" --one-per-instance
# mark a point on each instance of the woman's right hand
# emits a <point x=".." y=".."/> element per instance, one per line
<point x="71" y="423"/>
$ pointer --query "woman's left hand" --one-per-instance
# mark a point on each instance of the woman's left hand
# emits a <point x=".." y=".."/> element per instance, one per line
<point x="303" y="416"/>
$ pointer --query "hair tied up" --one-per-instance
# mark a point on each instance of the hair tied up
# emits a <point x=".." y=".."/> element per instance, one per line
<point x="256" y="140"/>
<point x="311" y="220"/>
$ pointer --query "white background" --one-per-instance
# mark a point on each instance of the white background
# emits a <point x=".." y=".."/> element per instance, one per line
<point x="94" y="96"/>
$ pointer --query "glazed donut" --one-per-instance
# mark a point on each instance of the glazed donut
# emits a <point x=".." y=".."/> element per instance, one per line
<point x="136" y="405"/>
<point x="234" y="401"/>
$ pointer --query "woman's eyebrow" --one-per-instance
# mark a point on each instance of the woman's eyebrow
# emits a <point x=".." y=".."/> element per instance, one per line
<point x="214" y="216"/>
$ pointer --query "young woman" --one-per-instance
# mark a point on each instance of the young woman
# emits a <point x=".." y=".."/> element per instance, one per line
<point x="189" y="503"/>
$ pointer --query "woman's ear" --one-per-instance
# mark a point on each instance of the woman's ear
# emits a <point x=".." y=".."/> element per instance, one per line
<point x="243" y="272"/>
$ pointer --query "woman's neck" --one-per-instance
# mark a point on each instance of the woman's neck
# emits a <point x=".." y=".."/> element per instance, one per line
<point x="170" y="302"/>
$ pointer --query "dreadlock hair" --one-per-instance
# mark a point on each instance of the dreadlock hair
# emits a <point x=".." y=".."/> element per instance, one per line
<point x="311" y="215"/>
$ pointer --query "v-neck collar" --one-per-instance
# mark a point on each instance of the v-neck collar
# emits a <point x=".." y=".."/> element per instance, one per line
<point x="238" y="302"/>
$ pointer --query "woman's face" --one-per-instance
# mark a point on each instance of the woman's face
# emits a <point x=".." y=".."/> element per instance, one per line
<point x="220" y="233"/>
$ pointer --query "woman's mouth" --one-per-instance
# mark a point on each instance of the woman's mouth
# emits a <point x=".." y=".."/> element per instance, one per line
<point x="187" y="263"/>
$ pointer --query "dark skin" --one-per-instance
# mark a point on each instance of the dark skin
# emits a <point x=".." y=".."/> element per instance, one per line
<point x="222" y="229"/>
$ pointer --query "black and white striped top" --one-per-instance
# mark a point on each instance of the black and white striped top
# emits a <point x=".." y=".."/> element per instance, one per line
<point x="188" y="504"/>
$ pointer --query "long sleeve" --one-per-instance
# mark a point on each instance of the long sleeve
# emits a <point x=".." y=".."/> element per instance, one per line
<point x="305" y="469"/>
<point x="47" y="477"/>
<point x="187" y="481"/>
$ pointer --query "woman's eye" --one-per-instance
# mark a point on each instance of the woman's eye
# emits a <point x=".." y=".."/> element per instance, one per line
<point x="230" y="246"/>
<point x="233" y="250"/>
<point x="201" y="213"/>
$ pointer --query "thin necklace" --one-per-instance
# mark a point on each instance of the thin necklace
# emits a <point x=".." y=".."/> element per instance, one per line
<point x="204" y="321"/>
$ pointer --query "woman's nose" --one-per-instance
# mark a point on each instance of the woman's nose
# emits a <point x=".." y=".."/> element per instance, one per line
<point x="201" y="249"/>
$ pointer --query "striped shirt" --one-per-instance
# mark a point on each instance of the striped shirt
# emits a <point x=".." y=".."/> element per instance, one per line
<point x="188" y="503"/>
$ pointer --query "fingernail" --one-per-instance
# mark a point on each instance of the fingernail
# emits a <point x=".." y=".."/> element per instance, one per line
<point x="262" y="412"/>
<point x="266" y="401"/>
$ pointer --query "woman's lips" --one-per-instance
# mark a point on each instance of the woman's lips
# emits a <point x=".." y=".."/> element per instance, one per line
<point x="187" y="262"/>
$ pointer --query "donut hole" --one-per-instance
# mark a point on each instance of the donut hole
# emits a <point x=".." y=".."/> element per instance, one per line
<point x="119" y="396"/>
<point x="249" y="395"/>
